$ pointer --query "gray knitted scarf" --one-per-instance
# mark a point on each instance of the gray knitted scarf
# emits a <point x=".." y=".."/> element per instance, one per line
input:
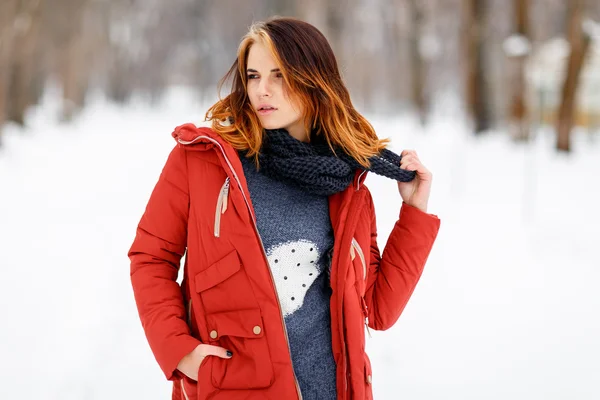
<point x="315" y="168"/>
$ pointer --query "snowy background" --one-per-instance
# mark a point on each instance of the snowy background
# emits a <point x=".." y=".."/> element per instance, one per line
<point x="508" y="307"/>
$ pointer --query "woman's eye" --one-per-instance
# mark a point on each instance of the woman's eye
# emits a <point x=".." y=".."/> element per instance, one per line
<point x="279" y="75"/>
<point x="252" y="76"/>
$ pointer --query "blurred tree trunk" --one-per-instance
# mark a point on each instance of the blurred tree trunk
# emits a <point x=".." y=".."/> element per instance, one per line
<point x="399" y="43"/>
<point x="579" y="44"/>
<point x="417" y="62"/>
<point x="8" y="11"/>
<point x="72" y="69"/>
<point x="326" y="16"/>
<point x="476" y="99"/>
<point x="120" y="78"/>
<point x="282" y="8"/>
<point x="518" y="109"/>
<point x="335" y="25"/>
<point x="22" y="89"/>
<point x="120" y="73"/>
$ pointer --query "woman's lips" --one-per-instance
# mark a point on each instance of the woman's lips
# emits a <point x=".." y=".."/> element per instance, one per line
<point x="267" y="111"/>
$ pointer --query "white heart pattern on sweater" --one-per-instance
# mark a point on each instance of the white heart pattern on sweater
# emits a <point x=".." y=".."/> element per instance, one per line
<point x="294" y="268"/>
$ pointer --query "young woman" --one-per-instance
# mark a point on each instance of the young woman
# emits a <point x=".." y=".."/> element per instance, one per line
<point x="282" y="271"/>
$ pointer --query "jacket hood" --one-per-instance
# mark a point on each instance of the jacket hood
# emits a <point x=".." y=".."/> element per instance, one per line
<point x="190" y="134"/>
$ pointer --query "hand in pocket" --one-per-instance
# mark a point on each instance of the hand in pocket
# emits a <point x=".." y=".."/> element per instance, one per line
<point x="190" y="363"/>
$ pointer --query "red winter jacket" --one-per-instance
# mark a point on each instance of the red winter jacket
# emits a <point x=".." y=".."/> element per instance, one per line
<point x="201" y="207"/>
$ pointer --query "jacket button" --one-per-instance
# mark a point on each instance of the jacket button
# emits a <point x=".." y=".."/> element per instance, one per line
<point x="256" y="330"/>
<point x="369" y="379"/>
<point x="213" y="334"/>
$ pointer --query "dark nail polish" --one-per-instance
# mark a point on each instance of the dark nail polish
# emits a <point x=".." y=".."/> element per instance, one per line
<point x="229" y="354"/>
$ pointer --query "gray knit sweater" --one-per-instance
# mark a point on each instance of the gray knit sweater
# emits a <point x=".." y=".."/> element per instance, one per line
<point x="296" y="231"/>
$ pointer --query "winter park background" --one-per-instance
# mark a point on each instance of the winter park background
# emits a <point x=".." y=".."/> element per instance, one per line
<point x="507" y="307"/>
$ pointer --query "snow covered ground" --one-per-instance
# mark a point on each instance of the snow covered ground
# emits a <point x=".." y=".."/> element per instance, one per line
<point x="507" y="307"/>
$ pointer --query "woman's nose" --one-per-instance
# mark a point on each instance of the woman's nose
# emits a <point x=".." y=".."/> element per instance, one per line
<point x="264" y="88"/>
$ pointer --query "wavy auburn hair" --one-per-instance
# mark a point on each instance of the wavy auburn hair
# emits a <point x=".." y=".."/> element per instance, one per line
<point x="311" y="73"/>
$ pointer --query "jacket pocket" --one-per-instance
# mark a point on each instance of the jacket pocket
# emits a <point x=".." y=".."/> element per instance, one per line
<point x="224" y="286"/>
<point x="242" y="332"/>
<point x="189" y="387"/>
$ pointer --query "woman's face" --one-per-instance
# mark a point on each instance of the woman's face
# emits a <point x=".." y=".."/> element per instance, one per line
<point x="269" y="96"/>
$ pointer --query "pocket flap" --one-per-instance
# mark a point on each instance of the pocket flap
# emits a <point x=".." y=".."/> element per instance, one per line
<point x="241" y="323"/>
<point x="218" y="272"/>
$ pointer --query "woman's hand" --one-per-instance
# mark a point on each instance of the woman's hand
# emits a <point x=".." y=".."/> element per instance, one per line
<point x="190" y="363"/>
<point x="416" y="192"/>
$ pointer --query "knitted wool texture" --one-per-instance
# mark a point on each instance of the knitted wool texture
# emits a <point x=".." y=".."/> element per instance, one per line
<point x="315" y="168"/>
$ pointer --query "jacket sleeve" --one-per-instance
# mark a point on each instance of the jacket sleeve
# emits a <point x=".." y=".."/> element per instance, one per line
<point x="159" y="244"/>
<point x="393" y="277"/>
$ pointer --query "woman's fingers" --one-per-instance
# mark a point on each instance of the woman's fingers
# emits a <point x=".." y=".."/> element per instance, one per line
<point x="411" y="167"/>
<point x="409" y="159"/>
<point x="410" y="162"/>
<point x="408" y="153"/>
<point x="191" y="362"/>
<point x="210" y="350"/>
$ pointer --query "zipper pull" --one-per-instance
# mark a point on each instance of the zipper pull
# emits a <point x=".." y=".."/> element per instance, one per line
<point x="221" y="206"/>
<point x="225" y="196"/>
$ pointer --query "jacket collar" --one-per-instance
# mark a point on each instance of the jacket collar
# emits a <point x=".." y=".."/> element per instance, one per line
<point x="204" y="138"/>
<point x="196" y="138"/>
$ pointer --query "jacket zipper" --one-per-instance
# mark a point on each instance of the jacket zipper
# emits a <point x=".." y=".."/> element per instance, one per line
<point x="358" y="180"/>
<point x="183" y="390"/>
<point x="221" y="206"/>
<point x="262" y="246"/>
<point x="356" y="247"/>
